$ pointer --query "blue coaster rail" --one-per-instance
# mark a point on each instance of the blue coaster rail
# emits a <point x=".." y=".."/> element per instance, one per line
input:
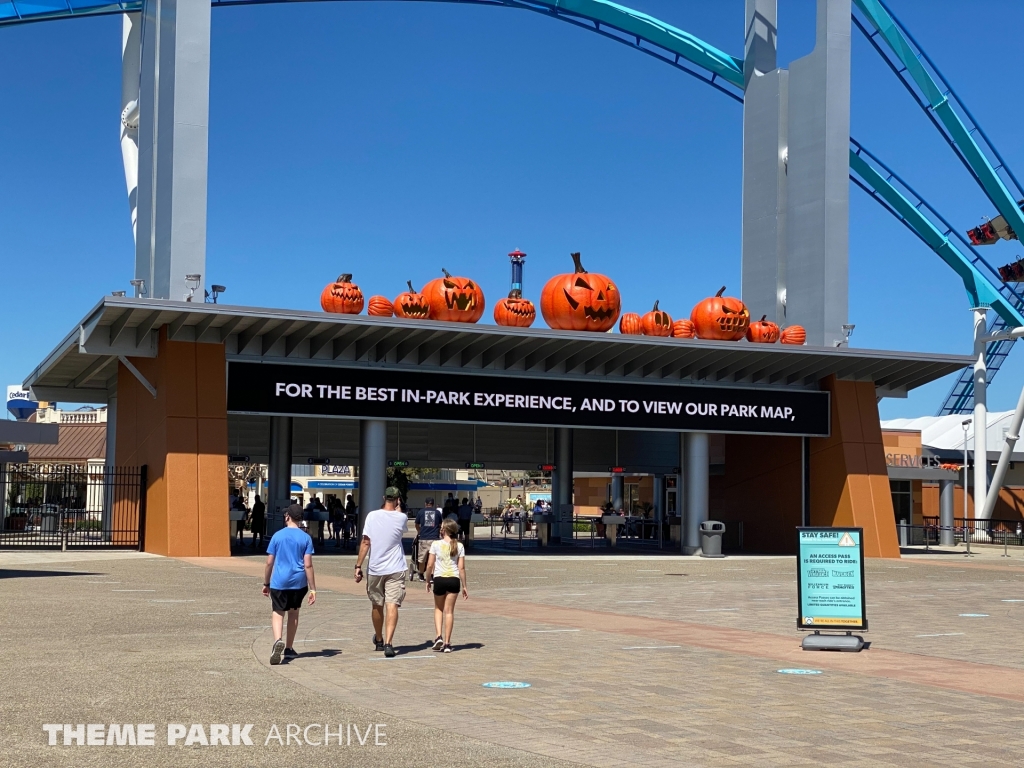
<point x="725" y="73"/>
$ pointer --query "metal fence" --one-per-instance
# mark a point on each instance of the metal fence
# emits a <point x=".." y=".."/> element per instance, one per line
<point x="72" y="507"/>
<point x="1001" y="532"/>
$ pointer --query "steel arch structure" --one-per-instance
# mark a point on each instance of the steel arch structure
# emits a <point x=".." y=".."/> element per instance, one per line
<point x="724" y="72"/>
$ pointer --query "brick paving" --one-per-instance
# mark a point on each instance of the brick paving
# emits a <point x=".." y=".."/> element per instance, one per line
<point x="632" y="661"/>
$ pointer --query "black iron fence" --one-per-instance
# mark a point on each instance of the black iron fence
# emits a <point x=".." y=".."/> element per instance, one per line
<point x="72" y="506"/>
<point x="1008" y="532"/>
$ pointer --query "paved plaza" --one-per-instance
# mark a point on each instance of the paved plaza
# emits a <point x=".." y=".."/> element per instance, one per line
<point x="631" y="661"/>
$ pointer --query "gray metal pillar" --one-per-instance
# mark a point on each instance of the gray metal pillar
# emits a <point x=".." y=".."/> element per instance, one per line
<point x="373" y="466"/>
<point x="765" y="117"/>
<point x="697" y="470"/>
<point x="279" y="471"/>
<point x="174" y="116"/>
<point x="659" y="497"/>
<point x="817" y="181"/>
<point x="618" y="491"/>
<point x="561" y="485"/>
<point x="947" y="536"/>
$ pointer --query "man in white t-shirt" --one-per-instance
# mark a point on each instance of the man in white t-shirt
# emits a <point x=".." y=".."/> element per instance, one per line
<point x="386" y="572"/>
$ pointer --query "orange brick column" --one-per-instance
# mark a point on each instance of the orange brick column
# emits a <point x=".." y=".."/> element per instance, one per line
<point x="182" y="436"/>
<point x="849" y="482"/>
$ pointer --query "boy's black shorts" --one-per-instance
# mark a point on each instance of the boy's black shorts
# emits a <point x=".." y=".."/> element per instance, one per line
<point x="287" y="599"/>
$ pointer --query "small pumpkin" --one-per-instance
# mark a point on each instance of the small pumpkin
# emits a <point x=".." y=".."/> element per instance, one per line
<point x="630" y="324"/>
<point x="683" y="329"/>
<point x="657" y="322"/>
<point x="721" y="317"/>
<point x="342" y="296"/>
<point x="515" y="311"/>
<point x="763" y="331"/>
<point x="411" y="304"/>
<point x="794" y="334"/>
<point x="380" y="306"/>
<point x="580" y="300"/>
<point x="455" y="299"/>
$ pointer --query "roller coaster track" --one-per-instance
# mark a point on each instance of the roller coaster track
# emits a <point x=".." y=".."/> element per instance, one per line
<point x="725" y="73"/>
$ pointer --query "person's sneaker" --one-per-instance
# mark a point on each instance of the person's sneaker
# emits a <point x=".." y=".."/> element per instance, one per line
<point x="422" y="577"/>
<point x="289" y="653"/>
<point x="438" y="644"/>
<point x="378" y="645"/>
<point x="389" y="650"/>
<point x="277" y="653"/>
<point x="447" y="649"/>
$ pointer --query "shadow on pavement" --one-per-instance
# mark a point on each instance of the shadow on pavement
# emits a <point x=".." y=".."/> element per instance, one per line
<point x="26" y="574"/>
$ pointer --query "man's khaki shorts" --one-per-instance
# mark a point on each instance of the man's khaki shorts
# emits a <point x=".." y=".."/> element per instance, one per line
<point x="389" y="588"/>
<point x="423" y="550"/>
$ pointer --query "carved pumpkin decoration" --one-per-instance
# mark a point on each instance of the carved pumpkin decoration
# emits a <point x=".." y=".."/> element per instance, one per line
<point x="515" y="311"/>
<point x="656" y="322"/>
<point x="795" y="334"/>
<point x="380" y="306"/>
<point x="630" y="325"/>
<point x="411" y="304"/>
<point x="683" y="329"/>
<point x="763" y="331"/>
<point x="342" y="296"/>
<point x="721" y="317"/>
<point x="455" y="299"/>
<point x="580" y="301"/>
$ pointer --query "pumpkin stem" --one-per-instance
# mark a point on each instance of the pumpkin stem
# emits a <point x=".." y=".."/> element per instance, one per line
<point x="720" y="291"/>
<point x="763" y="318"/>
<point x="578" y="263"/>
<point x="655" y="305"/>
<point x="411" y="289"/>
<point x="446" y="273"/>
<point x="344" y="277"/>
<point x="515" y="293"/>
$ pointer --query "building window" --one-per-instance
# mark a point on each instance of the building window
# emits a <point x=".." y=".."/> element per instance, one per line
<point x="902" y="500"/>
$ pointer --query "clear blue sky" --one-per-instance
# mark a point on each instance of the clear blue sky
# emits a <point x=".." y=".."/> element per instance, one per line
<point x="392" y="139"/>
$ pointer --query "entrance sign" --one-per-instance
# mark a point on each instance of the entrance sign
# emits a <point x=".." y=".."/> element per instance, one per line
<point x="374" y="393"/>
<point x="830" y="579"/>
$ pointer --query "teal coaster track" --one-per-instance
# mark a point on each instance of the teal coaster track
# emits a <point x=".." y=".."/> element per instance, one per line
<point x="723" y="72"/>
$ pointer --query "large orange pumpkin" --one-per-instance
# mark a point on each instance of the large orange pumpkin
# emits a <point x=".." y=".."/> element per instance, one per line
<point x="380" y="306"/>
<point x="795" y="334"/>
<point x="630" y="325"/>
<point x="455" y="299"/>
<point x="763" y="331"/>
<point x="411" y="304"/>
<point x="683" y="329"/>
<point x="515" y="311"/>
<point x="656" y="322"/>
<point x="721" y="317"/>
<point x="580" y="301"/>
<point x="342" y="296"/>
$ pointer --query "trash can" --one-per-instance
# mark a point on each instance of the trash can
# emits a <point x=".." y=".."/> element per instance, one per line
<point x="711" y="532"/>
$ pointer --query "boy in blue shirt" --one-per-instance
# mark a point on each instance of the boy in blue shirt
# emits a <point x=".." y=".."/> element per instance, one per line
<point x="286" y="579"/>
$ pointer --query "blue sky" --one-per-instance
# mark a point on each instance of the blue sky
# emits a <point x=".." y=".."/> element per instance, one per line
<point x="393" y="139"/>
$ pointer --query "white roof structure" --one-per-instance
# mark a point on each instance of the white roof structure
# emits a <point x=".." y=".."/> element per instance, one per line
<point x="945" y="434"/>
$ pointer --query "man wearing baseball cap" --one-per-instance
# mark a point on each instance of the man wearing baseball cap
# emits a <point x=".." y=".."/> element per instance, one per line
<point x="386" y="571"/>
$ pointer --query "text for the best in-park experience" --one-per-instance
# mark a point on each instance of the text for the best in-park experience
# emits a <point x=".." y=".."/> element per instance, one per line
<point x="533" y="402"/>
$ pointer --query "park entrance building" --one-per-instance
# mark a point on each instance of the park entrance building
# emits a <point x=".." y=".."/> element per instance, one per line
<point x="793" y="431"/>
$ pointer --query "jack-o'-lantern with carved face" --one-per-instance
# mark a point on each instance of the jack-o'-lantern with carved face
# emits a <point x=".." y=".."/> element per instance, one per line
<point x="763" y="331"/>
<point x="657" y="322"/>
<point x="721" y="317"/>
<point x="515" y="311"/>
<point x="342" y="296"/>
<point x="580" y="300"/>
<point x="411" y="304"/>
<point x="455" y="299"/>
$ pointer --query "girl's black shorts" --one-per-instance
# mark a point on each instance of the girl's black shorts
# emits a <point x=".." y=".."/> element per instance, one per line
<point x="447" y="585"/>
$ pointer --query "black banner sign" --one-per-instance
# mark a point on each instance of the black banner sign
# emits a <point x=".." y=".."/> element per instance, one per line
<point x="373" y="393"/>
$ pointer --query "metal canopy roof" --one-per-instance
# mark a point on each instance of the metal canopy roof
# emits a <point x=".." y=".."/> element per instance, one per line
<point x="83" y="366"/>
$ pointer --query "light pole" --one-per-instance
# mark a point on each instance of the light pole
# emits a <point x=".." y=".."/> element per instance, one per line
<point x="966" y="423"/>
<point x="980" y="412"/>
